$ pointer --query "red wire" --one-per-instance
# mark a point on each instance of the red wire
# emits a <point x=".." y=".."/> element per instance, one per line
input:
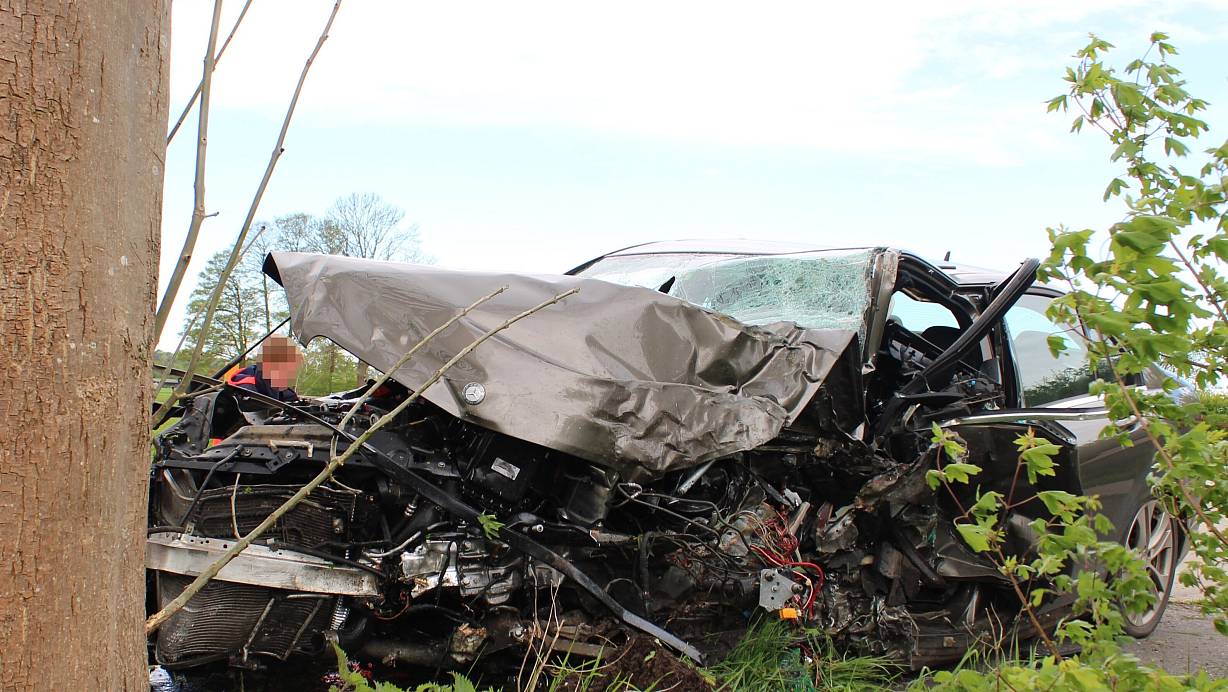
<point x="780" y="562"/>
<point x="786" y="543"/>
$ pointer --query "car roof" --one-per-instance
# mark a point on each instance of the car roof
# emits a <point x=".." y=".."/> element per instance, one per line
<point x="963" y="274"/>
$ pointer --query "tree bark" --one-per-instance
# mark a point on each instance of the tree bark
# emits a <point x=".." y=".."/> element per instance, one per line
<point x="332" y="366"/>
<point x="82" y="142"/>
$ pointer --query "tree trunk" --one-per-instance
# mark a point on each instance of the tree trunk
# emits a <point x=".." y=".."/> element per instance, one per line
<point x="82" y="145"/>
<point x="332" y="366"/>
<point x="361" y="372"/>
<point x="268" y="317"/>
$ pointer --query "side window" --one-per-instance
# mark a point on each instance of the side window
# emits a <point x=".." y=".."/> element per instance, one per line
<point x="933" y="322"/>
<point x="1044" y="378"/>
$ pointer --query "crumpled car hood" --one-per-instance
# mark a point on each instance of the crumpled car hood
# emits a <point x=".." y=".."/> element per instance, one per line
<point x="621" y="376"/>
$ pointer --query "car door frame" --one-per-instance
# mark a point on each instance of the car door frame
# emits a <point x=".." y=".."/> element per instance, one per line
<point x="1113" y="472"/>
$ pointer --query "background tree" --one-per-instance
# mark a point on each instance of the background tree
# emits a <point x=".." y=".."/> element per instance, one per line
<point x="245" y="312"/>
<point x="357" y="225"/>
<point x="364" y="225"/>
<point x="82" y="106"/>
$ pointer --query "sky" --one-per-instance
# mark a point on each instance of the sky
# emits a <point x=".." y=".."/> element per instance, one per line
<point x="533" y="136"/>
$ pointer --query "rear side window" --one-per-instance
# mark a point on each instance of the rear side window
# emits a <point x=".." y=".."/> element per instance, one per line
<point x="1043" y="377"/>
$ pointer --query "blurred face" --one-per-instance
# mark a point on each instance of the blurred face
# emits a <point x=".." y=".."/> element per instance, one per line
<point x="280" y="361"/>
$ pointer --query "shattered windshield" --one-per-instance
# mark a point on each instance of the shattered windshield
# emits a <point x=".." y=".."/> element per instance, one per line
<point x="828" y="289"/>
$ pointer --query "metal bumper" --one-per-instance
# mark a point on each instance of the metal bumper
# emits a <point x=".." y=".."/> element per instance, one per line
<point x="257" y="565"/>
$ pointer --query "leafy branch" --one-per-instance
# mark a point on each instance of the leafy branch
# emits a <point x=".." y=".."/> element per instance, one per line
<point x="1153" y="306"/>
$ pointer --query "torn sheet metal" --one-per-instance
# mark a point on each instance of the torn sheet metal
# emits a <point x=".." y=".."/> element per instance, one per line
<point x="619" y="375"/>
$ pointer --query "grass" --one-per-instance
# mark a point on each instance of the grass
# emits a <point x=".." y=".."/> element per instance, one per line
<point x="162" y="395"/>
<point x="775" y="655"/>
<point x="772" y="656"/>
<point x="587" y="675"/>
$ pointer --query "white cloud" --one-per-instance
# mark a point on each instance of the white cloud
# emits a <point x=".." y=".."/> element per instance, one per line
<point x="782" y="74"/>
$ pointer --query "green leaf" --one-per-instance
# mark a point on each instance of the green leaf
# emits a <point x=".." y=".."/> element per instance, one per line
<point x="1038" y="460"/>
<point x="1058" y="501"/>
<point x="1127" y="95"/>
<point x="960" y="472"/>
<point x="977" y="537"/>
<point x="1115" y="187"/>
<point x="460" y="683"/>
<point x="1138" y="241"/>
<point x="490" y="525"/>
<point x="986" y="504"/>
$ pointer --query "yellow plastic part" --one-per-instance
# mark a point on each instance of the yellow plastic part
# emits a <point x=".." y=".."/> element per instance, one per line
<point x="788" y="614"/>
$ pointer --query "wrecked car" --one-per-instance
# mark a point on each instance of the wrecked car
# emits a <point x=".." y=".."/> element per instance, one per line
<point x="702" y="432"/>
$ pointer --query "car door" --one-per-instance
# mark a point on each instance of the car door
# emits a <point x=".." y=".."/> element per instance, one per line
<point x="1056" y="387"/>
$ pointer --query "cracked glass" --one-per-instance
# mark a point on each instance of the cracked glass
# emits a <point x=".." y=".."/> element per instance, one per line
<point x="817" y="290"/>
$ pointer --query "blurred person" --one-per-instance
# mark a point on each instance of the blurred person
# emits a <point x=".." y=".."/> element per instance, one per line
<point x="274" y="375"/>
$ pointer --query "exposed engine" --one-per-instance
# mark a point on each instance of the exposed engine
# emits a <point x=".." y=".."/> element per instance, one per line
<point x="814" y="526"/>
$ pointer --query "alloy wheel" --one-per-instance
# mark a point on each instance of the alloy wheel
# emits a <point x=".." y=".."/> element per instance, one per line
<point x="1153" y="536"/>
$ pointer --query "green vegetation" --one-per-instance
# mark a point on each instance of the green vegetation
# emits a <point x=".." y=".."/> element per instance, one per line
<point x="354" y="681"/>
<point x="490" y="525"/>
<point x="775" y="655"/>
<point x="771" y="656"/>
<point x="1212" y="408"/>
<point x="1152" y="302"/>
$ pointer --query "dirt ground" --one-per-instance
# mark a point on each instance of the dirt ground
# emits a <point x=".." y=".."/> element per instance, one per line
<point x="1185" y="641"/>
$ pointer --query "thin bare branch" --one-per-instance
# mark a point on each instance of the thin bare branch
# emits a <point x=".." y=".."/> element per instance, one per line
<point x="164" y="378"/>
<point x="278" y="148"/>
<point x="157" y="619"/>
<point x="199" y="87"/>
<point x="198" y="185"/>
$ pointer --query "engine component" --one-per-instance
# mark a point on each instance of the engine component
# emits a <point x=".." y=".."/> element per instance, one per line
<point x="320" y="521"/>
<point x="587" y="495"/>
<point x="238" y="622"/>
<point x="503" y="469"/>
<point x="776" y="589"/>
<point x="463" y="564"/>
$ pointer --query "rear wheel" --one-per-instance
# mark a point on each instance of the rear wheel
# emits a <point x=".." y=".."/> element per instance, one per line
<point x="1154" y="536"/>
